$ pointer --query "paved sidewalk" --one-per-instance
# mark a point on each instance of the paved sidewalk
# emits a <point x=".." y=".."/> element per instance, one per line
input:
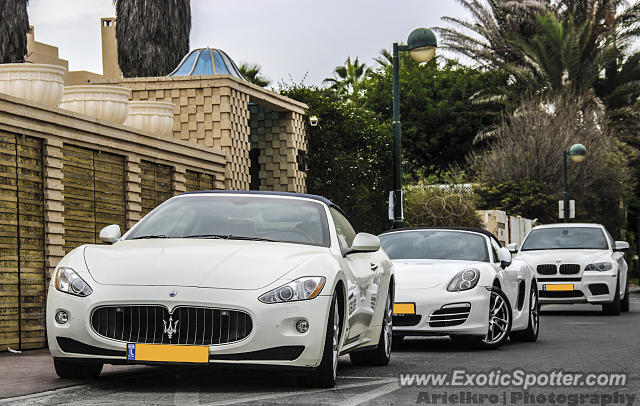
<point x="32" y="371"/>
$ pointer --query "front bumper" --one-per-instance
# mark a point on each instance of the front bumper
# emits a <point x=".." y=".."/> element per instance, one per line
<point x="273" y="325"/>
<point x="435" y="305"/>
<point x="592" y="287"/>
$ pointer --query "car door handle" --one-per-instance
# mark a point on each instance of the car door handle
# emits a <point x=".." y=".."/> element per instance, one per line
<point x="374" y="266"/>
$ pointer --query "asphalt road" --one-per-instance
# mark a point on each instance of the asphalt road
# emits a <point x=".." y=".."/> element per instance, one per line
<point x="574" y="339"/>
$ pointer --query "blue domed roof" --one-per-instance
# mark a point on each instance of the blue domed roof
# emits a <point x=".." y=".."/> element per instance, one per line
<point x="207" y="61"/>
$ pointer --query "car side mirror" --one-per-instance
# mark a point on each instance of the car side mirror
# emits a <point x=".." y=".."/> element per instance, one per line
<point x="620" y="246"/>
<point x="365" y="242"/>
<point x="504" y="256"/>
<point x="110" y="234"/>
<point x="513" y="247"/>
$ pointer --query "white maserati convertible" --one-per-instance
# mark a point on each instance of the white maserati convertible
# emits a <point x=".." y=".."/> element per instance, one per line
<point x="460" y="282"/>
<point x="578" y="263"/>
<point x="268" y="279"/>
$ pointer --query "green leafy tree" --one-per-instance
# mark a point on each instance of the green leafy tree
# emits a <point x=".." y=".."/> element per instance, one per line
<point x="528" y="198"/>
<point x="349" y="155"/>
<point x="153" y="36"/>
<point x="252" y="73"/>
<point x="349" y="78"/>
<point x="526" y="154"/>
<point x="14" y="25"/>
<point x="438" y="121"/>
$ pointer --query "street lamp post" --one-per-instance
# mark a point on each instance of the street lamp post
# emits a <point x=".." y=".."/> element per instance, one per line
<point x="577" y="153"/>
<point x="421" y="45"/>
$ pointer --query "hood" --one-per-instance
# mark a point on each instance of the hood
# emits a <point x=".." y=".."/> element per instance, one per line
<point x="224" y="264"/>
<point x="426" y="273"/>
<point x="558" y="257"/>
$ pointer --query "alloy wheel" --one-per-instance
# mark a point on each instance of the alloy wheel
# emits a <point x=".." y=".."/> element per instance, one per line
<point x="498" y="319"/>
<point x="388" y="326"/>
<point x="534" y="311"/>
<point x="336" y="337"/>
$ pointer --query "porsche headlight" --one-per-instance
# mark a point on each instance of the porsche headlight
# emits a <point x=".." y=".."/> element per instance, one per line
<point x="464" y="280"/>
<point x="599" y="266"/>
<point x="68" y="281"/>
<point x="300" y="289"/>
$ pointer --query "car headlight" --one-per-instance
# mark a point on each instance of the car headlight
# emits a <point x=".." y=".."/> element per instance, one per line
<point x="464" y="280"/>
<point x="68" y="281"/>
<point x="300" y="289"/>
<point x="599" y="266"/>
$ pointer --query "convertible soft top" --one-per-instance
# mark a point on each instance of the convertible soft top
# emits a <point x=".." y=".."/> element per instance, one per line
<point x="472" y="229"/>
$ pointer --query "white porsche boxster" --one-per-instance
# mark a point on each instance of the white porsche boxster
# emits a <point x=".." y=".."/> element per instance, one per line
<point x="460" y="282"/>
<point x="259" y="278"/>
<point x="578" y="263"/>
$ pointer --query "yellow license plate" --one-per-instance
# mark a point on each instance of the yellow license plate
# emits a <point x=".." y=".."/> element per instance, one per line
<point x="168" y="353"/>
<point x="559" y="287"/>
<point x="404" y="308"/>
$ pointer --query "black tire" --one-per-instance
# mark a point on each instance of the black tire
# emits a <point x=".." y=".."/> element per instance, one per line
<point x="530" y="334"/>
<point x="490" y="342"/>
<point x="379" y="356"/>
<point x="624" y="304"/>
<point x="76" y="370"/>
<point x="613" y="308"/>
<point x="324" y="376"/>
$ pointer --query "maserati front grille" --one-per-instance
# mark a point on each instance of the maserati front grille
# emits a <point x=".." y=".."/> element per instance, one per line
<point x="185" y="325"/>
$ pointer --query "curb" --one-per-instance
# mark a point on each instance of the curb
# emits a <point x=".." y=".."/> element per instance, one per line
<point x="634" y="289"/>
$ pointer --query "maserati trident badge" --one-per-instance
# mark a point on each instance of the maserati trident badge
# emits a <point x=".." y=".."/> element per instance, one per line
<point x="172" y="328"/>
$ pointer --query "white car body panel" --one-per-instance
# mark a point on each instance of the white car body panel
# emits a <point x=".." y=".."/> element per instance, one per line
<point x="583" y="279"/>
<point x="424" y="282"/>
<point x="225" y="274"/>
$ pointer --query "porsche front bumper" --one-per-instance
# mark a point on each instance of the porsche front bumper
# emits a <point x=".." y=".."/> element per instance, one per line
<point x="439" y="312"/>
<point x="273" y="339"/>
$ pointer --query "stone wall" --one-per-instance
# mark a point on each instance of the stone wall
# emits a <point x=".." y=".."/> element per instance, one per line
<point x="279" y="136"/>
<point x="214" y="111"/>
<point x="57" y="130"/>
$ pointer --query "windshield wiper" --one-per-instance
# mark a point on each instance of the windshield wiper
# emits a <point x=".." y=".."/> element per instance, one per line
<point x="239" y="237"/>
<point x="228" y="237"/>
<point x="213" y="236"/>
<point x="142" y="237"/>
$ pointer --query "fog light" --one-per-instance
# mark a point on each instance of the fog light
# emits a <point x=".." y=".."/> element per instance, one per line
<point x="302" y="326"/>
<point x="62" y="317"/>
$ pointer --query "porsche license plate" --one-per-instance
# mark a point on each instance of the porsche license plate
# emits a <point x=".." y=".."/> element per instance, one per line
<point x="404" y="308"/>
<point x="558" y="287"/>
<point x="168" y="353"/>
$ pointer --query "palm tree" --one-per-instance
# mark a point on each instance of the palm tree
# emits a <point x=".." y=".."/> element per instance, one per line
<point x="385" y="59"/>
<point x="251" y="72"/>
<point x="152" y="36"/>
<point x="348" y="78"/>
<point x="14" y="25"/>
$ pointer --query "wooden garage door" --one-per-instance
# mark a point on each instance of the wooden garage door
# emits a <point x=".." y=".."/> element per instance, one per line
<point x="156" y="185"/>
<point x="94" y="194"/>
<point x="198" y="181"/>
<point x="22" y="265"/>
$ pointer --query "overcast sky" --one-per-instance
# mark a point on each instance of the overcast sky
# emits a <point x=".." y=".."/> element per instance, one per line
<point x="289" y="38"/>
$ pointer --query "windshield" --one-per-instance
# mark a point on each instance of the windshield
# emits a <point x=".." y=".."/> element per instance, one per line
<point x="565" y="238"/>
<point x="435" y="244"/>
<point x="237" y="217"/>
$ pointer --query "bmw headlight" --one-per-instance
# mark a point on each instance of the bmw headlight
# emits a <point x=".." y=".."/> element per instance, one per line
<point x="599" y="266"/>
<point x="464" y="280"/>
<point x="68" y="281"/>
<point x="300" y="289"/>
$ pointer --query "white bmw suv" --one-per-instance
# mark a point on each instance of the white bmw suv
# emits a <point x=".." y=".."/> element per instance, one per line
<point x="578" y="263"/>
